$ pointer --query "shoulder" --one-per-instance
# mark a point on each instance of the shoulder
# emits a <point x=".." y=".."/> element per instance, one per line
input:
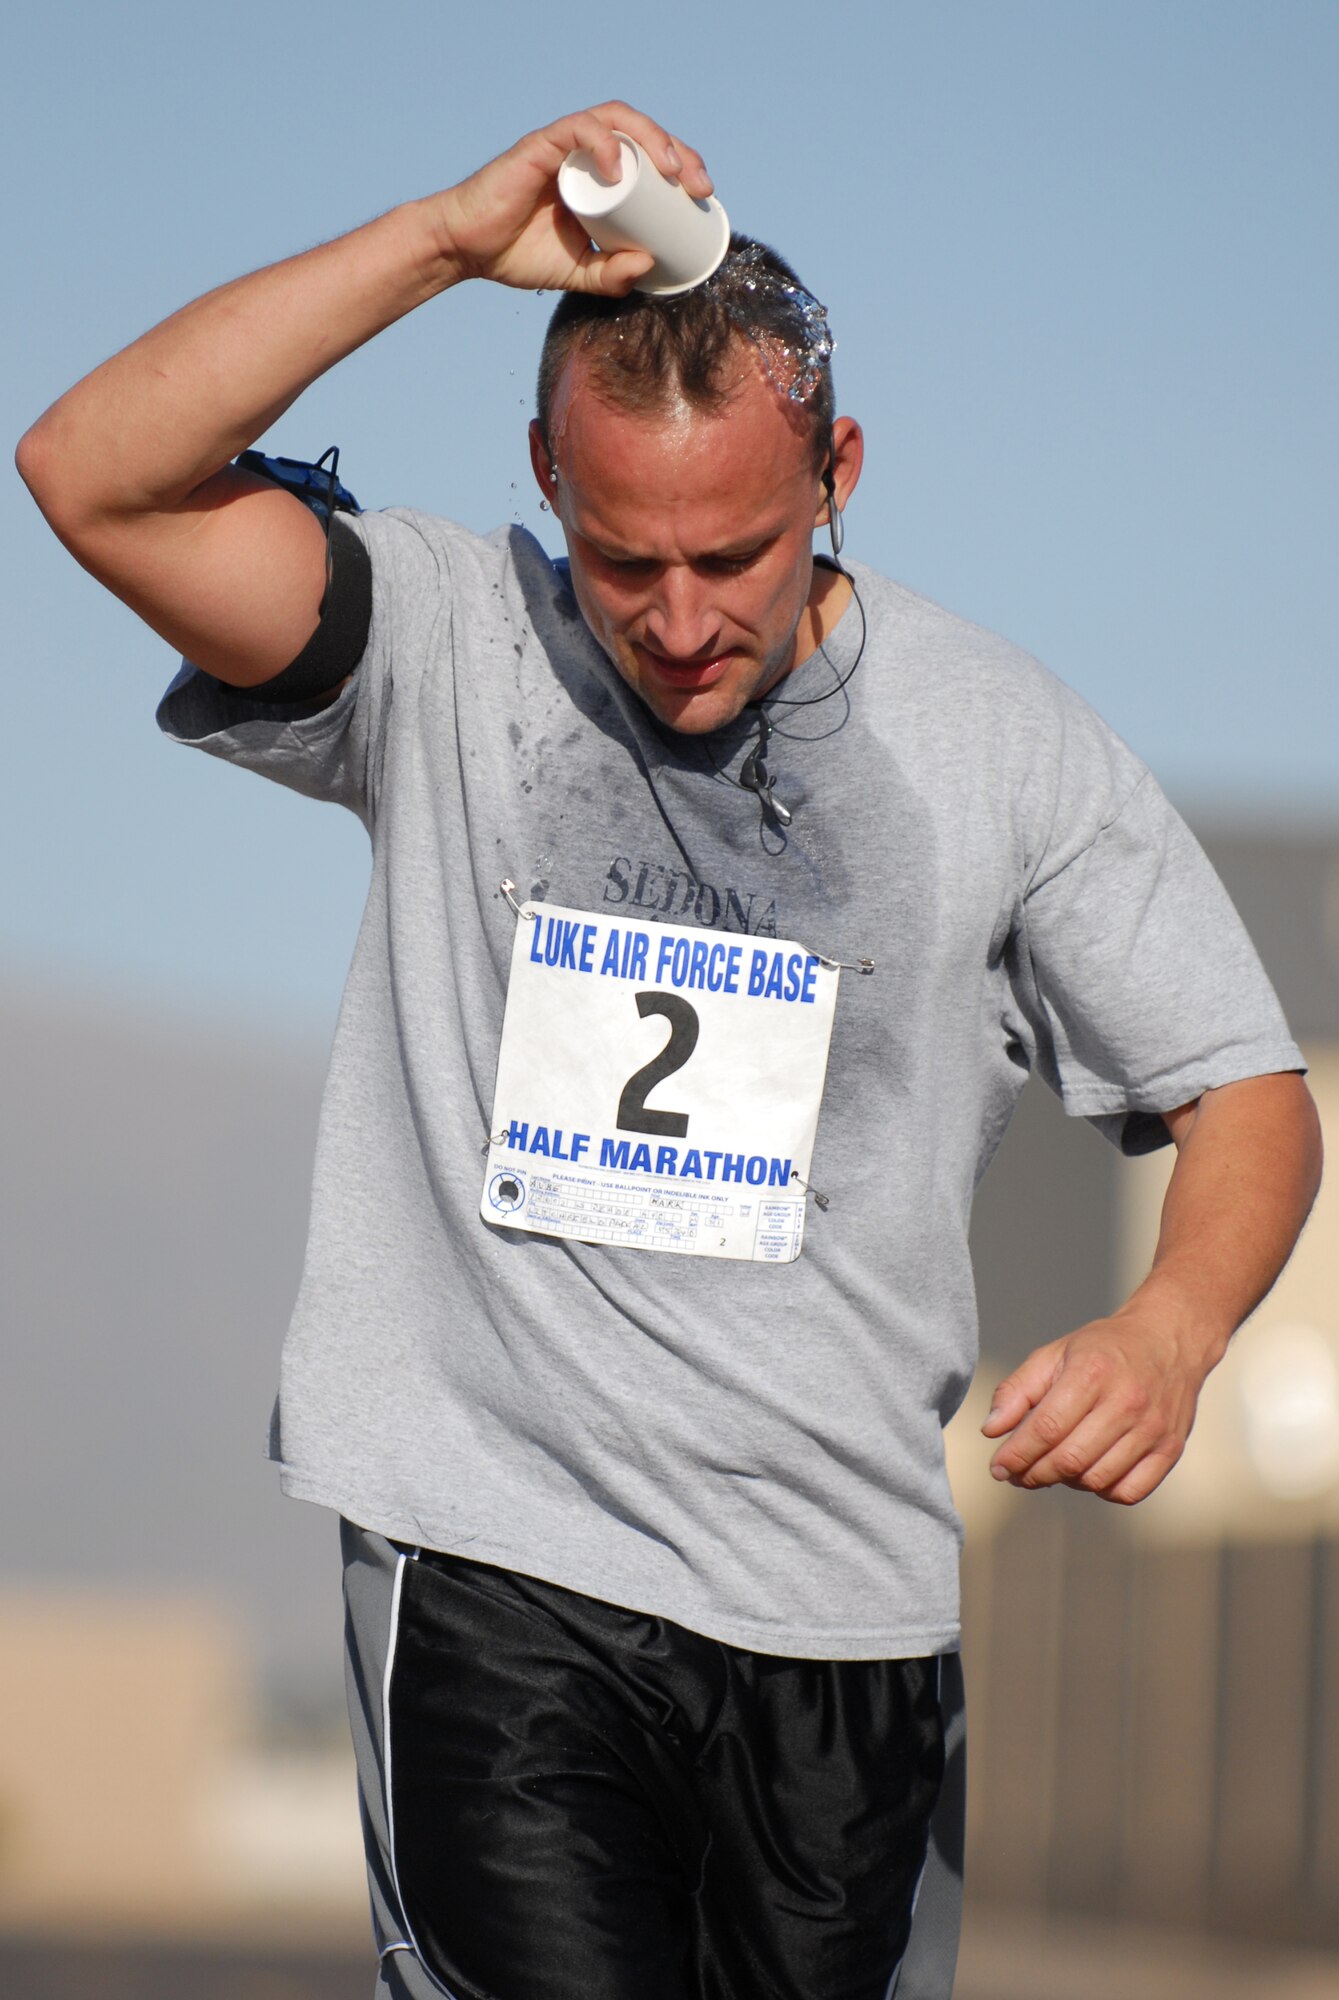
<point x="420" y="561"/>
<point x="958" y="660"/>
<point x="965" y="696"/>
<point x="408" y="535"/>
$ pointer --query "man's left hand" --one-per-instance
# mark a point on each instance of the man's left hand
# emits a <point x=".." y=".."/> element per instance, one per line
<point x="1107" y="1409"/>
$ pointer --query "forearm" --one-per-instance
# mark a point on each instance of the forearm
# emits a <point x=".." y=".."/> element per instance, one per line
<point x="132" y="469"/>
<point x="1247" y="1170"/>
<point x="1109" y="1408"/>
<point x="141" y="433"/>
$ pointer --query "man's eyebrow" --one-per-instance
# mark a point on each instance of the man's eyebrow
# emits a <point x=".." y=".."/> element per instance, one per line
<point x="752" y="545"/>
<point x="603" y="548"/>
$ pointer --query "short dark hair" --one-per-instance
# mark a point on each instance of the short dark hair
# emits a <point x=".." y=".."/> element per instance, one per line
<point x="646" y="349"/>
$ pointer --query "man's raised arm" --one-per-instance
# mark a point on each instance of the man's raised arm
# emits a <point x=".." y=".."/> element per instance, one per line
<point x="132" y="466"/>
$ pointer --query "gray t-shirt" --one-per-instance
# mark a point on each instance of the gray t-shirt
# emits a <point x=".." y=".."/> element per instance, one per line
<point x="750" y="1449"/>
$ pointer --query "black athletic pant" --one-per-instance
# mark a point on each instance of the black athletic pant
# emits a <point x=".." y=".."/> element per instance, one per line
<point x="565" y="1800"/>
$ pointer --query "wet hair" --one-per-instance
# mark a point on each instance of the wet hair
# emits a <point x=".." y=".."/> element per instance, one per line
<point x="645" y="351"/>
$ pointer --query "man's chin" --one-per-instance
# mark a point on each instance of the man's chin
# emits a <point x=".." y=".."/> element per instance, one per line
<point x="694" y="701"/>
<point x="693" y="714"/>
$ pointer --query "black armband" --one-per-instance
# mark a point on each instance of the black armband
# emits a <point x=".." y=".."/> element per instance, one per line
<point x="340" y="640"/>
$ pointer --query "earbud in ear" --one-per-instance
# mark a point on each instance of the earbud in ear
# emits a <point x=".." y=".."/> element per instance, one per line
<point x="836" y="532"/>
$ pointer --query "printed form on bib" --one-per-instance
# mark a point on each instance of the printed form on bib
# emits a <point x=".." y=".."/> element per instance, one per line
<point x="658" y="1088"/>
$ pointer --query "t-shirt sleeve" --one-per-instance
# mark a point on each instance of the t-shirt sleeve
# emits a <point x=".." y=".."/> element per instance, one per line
<point x="1145" y="989"/>
<point x="339" y="752"/>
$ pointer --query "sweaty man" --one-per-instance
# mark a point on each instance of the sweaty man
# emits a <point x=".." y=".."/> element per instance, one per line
<point x="637" y="1289"/>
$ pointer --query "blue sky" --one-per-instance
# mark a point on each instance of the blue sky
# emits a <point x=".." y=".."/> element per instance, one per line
<point x="1080" y="261"/>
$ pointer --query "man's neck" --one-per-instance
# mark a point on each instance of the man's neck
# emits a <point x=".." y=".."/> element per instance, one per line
<point x="829" y="595"/>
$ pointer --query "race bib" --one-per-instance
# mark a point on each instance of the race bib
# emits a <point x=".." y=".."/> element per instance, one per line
<point x="658" y="1088"/>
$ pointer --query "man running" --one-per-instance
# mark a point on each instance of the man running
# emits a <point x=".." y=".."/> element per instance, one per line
<point x="722" y="901"/>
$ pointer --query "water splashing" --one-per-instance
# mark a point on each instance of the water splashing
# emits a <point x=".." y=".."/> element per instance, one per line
<point x="798" y="346"/>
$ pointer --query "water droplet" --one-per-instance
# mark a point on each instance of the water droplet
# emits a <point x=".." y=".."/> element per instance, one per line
<point x="785" y="323"/>
<point x="543" y="506"/>
<point x="539" y="294"/>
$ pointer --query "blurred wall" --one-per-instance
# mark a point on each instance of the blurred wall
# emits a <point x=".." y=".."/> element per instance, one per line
<point x="1154" y="1693"/>
<point x="153" y="1187"/>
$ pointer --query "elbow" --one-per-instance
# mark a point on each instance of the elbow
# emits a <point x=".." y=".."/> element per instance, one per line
<point x="1303" y="1144"/>
<point x="32" y="458"/>
<point x="1315" y="1146"/>
<point x="54" y="467"/>
<point x="44" y="469"/>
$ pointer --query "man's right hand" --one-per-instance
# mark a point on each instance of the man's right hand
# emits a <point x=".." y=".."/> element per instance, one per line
<point x="507" y="223"/>
<point x="132" y="467"/>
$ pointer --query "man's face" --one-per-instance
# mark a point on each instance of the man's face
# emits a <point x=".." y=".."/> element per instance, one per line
<point x="689" y="533"/>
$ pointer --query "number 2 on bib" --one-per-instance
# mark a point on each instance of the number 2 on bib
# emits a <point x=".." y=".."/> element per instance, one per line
<point x="633" y="1115"/>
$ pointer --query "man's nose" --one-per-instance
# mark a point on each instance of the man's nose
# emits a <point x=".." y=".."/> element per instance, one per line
<point x="683" y="622"/>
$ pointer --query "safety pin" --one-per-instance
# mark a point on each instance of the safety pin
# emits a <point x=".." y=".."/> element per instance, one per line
<point x="508" y="888"/>
<point x="820" y="1200"/>
<point x="863" y="965"/>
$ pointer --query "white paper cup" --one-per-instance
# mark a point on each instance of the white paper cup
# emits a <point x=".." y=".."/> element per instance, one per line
<point x="643" y="211"/>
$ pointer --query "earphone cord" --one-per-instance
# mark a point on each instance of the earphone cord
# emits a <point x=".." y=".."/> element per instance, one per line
<point x="754" y="775"/>
<point x="812" y="700"/>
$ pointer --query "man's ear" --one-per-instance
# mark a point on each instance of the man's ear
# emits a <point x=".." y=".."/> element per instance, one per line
<point x="546" y="477"/>
<point x="841" y="471"/>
